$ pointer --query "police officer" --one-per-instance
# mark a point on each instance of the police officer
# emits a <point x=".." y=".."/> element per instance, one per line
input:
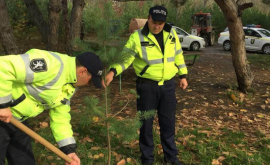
<point x="36" y="81"/>
<point x="157" y="57"/>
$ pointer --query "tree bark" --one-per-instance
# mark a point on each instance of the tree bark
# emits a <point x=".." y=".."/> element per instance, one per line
<point x="75" y="23"/>
<point x="38" y="19"/>
<point x="237" y="38"/>
<point x="6" y="34"/>
<point x="54" y="9"/>
<point x="66" y="20"/>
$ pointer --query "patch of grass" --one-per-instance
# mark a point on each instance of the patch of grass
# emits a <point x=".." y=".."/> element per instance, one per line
<point x="196" y="147"/>
<point x="261" y="61"/>
<point x="233" y="146"/>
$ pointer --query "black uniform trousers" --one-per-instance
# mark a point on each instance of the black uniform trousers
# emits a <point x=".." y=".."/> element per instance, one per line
<point x="160" y="98"/>
<point x="15" y="145"/>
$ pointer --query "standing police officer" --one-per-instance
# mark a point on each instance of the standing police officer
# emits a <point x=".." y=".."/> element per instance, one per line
<point x="36" y="81"/>
<point x="157" y="58"/>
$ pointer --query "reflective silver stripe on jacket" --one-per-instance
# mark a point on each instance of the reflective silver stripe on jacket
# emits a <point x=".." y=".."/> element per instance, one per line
<point x="144" y="53"/>
<point x="66" y="142"/>
<point x="5" y="99"/>
<point x="182" y="66"/>
<point x="29" y="77"/>
<point x="176" y="51"/>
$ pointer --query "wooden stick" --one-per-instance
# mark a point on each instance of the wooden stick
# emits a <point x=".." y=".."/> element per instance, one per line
<point x="40" y="139"/>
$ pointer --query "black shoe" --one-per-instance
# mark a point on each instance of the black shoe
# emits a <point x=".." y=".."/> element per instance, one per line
<point x="175" y="163"/>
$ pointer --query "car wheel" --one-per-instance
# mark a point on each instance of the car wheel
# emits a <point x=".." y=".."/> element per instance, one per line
<point x="227" y="45"/>
<point x="195" y="46"/>
<point x="266" y="49"/>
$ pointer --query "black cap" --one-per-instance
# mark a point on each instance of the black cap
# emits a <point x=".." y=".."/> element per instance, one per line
<point x="158" y="13"/>
<point x="94" y="66"/>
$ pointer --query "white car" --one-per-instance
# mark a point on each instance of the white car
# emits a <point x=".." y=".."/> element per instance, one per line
<point x="256" y="39"/>
<point x="189" y="41"/>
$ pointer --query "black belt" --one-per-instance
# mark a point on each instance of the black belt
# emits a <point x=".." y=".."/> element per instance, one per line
<point x="145" y="80"/>
<point x="17" y="101"/>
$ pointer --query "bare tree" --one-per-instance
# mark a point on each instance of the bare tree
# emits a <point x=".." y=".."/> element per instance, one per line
<point x="66" y="20"/>
<point x="41" y="24"/>
<point x="232" y="12"/>
<point x="6" y="34"/>
<point x="54" y="9"/>
<point x="75" y="23"/>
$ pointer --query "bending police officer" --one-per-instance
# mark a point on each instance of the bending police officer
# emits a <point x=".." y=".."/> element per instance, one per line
<point x="36" y="81"/>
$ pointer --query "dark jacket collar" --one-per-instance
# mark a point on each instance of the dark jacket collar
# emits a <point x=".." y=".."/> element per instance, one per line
<point x="145" y="29"/>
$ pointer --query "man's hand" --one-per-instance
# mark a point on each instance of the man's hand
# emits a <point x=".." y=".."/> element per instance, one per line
<point x="109" y="77"/>
<point x="183" y="83"/>
<point x="76" y="161"/>
<point x="5" y="115"/>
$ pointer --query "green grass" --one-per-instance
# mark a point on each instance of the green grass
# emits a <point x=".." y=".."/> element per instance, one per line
<point x="233" y="145"/>
<point x="261" y="61"/>
<point x="196" y="147"/>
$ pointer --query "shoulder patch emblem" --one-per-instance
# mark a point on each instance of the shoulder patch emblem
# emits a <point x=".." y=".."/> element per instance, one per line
<point x="38" y="65"/>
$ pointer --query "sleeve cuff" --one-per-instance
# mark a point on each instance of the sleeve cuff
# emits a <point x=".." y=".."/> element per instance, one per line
<point x="71" y="148"/>
<point x="183" y="76"/>
<point x="5" y="105"/>
<point x="114" y="71"/>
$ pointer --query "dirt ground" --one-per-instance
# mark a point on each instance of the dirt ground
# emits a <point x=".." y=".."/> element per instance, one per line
<point x="211" y="98"/>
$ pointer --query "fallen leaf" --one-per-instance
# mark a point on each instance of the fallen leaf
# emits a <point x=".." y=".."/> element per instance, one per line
<point x="159" y="146"/>
<point x="233" y="97"/>
<point x="221" y="101"/>
<point x="50" y="157"/>
<point x="221" y="158"/>
<point x="95" y="119"/>
<point x="226" y="153"/>
<point x="129" y="160"/>
<point x="95" y="148"/>
<point x="95" y="157"/>
<point x="43" y="124"/>
<point x="101" y="155"/>
<point x="215" y="162"/>
<point x="87" y="139"/>
<point x="243" y="110"/>
<point x="122" y="162"/>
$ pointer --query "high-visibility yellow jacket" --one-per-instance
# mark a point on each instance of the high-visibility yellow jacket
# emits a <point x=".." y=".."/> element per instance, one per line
<point x="36" y="81"/>
<point x="148" y="59"/>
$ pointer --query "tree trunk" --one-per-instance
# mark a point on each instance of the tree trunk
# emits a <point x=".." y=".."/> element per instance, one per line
<point x="6" y="34"/>
<point x="38" y="19"/>
<point x="66" y="20"/>
<point x="237" y="38"/>
<point x="75" y="24"/>
<point x="54" y="9"/>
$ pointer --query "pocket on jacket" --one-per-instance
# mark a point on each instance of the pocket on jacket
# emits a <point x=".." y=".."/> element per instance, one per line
<point x="26" y="108"/>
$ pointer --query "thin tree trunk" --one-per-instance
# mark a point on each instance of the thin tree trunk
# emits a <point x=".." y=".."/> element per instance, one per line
<point x="38" y="19"/>
<point x="6" y="34"/>
<point x="75" y="23"/>
<point x="66" y="20"/>
<point x="237" y="38"/>
<point x="54" y="9"/>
